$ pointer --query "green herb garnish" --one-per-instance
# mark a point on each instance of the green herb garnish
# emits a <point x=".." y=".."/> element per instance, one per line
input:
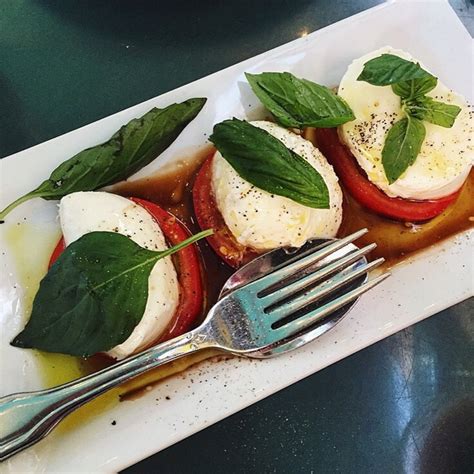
<point x="93" y="296"/>
<point x="130" y="149"/>
<point x="299" y="103"/>
<point x="264" y="161"/>
<point x="414" y="88"/>
<point x="411" y="83"/>
<point x="402" y="145"/>
<point x="389" y="69"/>
<point x="433" y="111"/>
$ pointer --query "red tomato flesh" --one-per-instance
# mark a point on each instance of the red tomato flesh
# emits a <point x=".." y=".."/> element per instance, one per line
<point x="209" y="217"/>
<point x="188" y="268"/>
<point x="369" y="195"/>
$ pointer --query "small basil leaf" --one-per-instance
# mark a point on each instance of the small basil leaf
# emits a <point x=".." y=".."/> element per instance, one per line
<point x="130" y="149"/>
<point x="402" y="145"/>
<point x="389" y="69"/>
<point x="425" y="108"/>
<point x="263" y="160"/>
<point x="415" y="87"/>
<point x="298" y="102"/>
<point x="93" y="296"/>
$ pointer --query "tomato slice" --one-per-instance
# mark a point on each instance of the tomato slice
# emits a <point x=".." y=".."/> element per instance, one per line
<point x="209" y="217"/>
<point x="188" y="267"/>
<point x="369" y="195"/>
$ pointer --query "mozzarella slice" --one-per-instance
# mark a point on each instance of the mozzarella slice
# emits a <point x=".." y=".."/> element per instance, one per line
<point x="84" y="212"/>
<point x="446" y="155"/>
<point x="265" y="221"/>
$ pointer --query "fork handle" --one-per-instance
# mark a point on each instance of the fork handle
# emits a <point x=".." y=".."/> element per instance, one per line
<point x="25" y="418"/>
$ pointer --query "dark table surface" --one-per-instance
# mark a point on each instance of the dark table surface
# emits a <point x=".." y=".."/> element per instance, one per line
<point x="405" y="404"/>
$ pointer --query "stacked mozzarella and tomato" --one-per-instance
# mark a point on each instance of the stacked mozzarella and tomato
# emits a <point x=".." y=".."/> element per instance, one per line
<point x="175" y="295"/>
<point x="428" y="185"/>
<point x="247" y="220"/>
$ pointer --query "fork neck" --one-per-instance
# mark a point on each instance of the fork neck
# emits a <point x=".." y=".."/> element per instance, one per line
<point x="156" y="356"/>
<point x="192" y="341"/>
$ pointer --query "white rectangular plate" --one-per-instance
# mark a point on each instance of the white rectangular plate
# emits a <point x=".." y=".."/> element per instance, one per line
<point x="420" y="287"/>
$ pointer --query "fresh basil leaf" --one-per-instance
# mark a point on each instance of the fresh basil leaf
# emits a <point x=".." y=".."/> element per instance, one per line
<point x="298" y="102"/>
<point x="389" y="69"/>
<point x="130" y="149"/>
<point x="402" y="145"/>
<point x="264" y="161"/>
<point x="415" y="87"/>
<point x="93" y="296"/>
<point x="439" y="113"/>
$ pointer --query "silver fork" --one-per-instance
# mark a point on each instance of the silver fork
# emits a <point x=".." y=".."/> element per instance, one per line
<point x="261" y="312"/>
<point x="349" y="258"/>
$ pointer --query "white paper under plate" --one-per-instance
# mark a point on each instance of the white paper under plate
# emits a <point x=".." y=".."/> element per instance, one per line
<point x="420" y="287"/>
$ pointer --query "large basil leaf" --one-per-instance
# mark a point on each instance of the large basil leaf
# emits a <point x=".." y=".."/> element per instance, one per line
<point x="389" y="69"/>
<point x="439" y="113"/>
<point x="415" y="87"/>
<point x="131" y="148"/>
<point x="93" y="296"/>
<point x="298" y="102"/>
<point x="402" y="145"/>
<point x="265" y="162"/>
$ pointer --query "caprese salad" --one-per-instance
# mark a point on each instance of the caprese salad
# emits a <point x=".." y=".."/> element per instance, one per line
<point x="175" y="288"/>
<point x="248" y="220"/>
<point x="393" y="136"/>
<point x="409" y="149"/>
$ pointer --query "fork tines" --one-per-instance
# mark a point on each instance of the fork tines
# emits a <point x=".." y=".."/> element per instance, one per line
<point x="295" y="305"/>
